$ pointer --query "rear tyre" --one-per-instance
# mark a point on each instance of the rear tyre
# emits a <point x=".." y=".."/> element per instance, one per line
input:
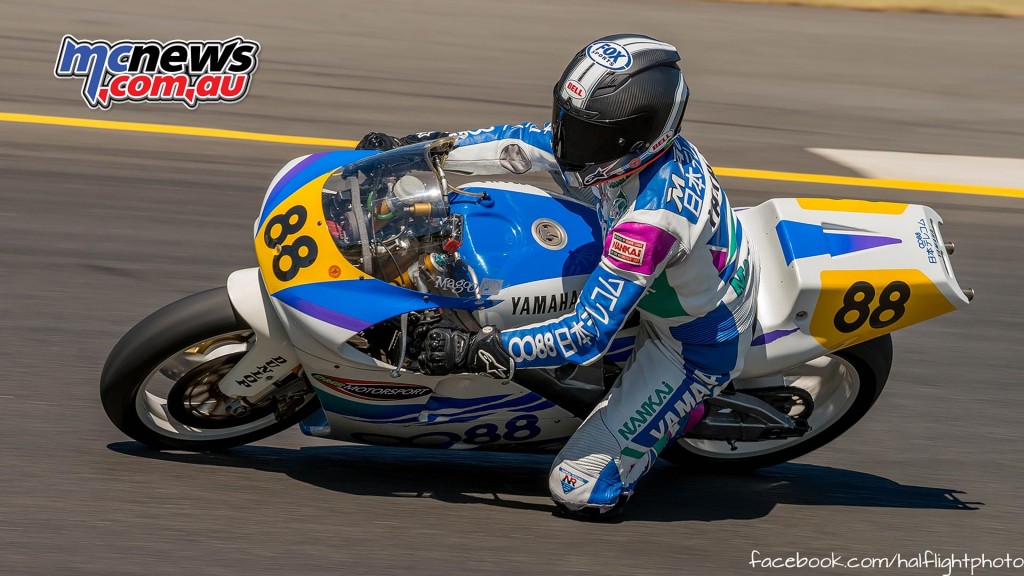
<point x="177" y="355"/>
<point x="844" y="385"/>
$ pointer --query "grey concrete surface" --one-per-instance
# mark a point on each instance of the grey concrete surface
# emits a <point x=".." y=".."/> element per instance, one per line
<point x="101" y="228"/>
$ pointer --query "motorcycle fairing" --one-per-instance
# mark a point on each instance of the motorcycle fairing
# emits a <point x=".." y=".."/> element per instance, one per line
<point x="320" y="300"/>
<point x="295" y="198"/>
<point x="300" y="172"/>
<point x="324" y="290"/>
<point x="462" y="411"/>
<point x="821" y="259"/>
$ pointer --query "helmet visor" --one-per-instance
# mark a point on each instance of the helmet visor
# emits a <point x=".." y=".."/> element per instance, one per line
<point x="578" y="143"/>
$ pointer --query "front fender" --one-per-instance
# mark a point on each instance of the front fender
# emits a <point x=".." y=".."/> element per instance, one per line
<point x="273" y="356"/>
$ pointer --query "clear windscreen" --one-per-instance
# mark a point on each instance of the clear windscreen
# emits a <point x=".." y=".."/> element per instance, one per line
<point x="385" y="210"/>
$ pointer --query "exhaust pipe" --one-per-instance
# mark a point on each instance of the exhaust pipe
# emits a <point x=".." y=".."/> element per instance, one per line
<point x="969" y="293"/>
<point x="949" y="248"/>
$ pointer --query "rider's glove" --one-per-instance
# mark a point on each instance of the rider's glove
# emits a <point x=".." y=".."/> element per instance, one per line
<point x="382" y="141"/>
<point x="444" y="350"/>
<point x="487" y="354"/>
<point x="378" y="141"/>
<point x="448" y="350"/>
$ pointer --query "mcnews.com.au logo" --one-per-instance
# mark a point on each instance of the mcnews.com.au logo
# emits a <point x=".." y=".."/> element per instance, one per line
<point x="189" y="72"/>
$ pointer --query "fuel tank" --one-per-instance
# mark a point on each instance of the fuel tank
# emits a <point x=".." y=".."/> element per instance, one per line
<point x="530" y="250"/>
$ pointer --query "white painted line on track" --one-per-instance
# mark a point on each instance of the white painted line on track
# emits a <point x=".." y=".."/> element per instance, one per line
<point x="967" y="170"/>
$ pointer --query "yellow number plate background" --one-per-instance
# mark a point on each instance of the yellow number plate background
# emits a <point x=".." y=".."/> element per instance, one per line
<point x="310" y="197"/>
<point x="926" y="301"/>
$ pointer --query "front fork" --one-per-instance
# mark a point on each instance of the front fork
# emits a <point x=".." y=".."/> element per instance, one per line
<point x="270" y="361"/>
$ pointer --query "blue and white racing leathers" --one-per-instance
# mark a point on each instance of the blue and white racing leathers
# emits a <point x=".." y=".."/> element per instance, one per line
<point x="675" y="252"/>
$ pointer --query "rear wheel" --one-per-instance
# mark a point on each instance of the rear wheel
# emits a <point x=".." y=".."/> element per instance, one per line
<point x="160" y="382"/>
<point x="844" y="385"/>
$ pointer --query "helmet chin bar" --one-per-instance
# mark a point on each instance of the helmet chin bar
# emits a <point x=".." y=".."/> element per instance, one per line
<point x="619" y="168"/>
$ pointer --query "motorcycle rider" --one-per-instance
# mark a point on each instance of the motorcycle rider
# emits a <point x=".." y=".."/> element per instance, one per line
<point x="674" y="251"/>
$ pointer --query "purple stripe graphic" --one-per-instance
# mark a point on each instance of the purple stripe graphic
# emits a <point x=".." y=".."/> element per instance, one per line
<point x="327" y="315"/>
<point x="288" y="179"/>
<point x="840" y="244"/>
<point x="295" y="170"/>
<point x="658" y="244"/>
<point x="772" y="336"/>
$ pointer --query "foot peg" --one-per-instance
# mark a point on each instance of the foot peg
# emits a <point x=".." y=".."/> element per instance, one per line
<point x="746" y="418"/>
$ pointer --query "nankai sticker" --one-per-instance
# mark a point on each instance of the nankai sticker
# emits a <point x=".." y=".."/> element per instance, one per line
<point x="373" y="390"/>
<point x="628" y="250"/>
<point x="189" y="72"/>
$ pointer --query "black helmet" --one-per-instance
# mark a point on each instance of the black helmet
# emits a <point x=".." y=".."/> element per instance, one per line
<point x="617" y="106"/>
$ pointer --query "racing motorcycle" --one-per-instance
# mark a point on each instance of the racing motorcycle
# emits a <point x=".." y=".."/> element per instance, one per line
<point x="359" y="251"/>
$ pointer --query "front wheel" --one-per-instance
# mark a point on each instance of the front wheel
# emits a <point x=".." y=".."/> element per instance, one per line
<point x="844" y="385"/>
<point x="160" y="382"/>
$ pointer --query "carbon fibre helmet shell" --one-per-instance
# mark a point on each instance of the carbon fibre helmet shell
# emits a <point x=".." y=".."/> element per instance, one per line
<point x="617" y="106"/>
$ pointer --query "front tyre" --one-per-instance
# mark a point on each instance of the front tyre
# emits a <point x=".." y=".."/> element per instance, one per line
<point x="844" y="386"/>
<point x="159" y="383"/>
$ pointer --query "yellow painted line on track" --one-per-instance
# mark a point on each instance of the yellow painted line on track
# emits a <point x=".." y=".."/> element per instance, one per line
<point x="176" y="130"/>
<point x="914" y="185"/>
<point x="197" y="131"/>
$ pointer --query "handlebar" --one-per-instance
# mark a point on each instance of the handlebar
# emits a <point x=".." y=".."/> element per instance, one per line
<point x="436" y="153"/>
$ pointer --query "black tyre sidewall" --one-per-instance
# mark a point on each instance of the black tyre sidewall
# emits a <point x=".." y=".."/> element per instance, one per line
<point x="149" y="343"/>
<point x="872" y="360"/>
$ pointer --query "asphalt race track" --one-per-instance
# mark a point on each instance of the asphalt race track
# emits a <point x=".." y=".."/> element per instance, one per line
<point x="100" y="228"/>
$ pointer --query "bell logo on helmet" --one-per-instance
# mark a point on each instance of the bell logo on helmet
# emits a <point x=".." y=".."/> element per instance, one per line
<point x="610" y="55"/>
<point x="575" y="89"/>
<point x="661" y="141"/>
